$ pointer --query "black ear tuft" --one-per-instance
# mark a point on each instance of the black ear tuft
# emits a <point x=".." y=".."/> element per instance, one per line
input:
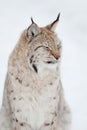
<point x="32" y="20"/>
<point x="58" y="17"/>
<point x="53" y="25"/>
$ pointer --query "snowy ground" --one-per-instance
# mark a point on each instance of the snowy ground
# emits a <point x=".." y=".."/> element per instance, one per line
<point x="15" y="16"/>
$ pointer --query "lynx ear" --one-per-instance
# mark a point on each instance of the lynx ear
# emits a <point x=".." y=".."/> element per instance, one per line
<point x="33" y="30"/>
<point x="53" y="25"/>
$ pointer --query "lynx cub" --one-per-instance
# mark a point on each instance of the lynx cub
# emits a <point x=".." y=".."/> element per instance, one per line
<point x="33" y="94"/>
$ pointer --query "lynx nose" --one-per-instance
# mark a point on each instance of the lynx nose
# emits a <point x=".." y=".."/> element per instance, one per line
<point x="56" y="54"/>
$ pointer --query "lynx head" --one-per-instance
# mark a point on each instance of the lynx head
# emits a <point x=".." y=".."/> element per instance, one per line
<point x="43" y="46"/>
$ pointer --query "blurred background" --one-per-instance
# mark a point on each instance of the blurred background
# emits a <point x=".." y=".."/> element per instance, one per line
<point x="72" y="30"/>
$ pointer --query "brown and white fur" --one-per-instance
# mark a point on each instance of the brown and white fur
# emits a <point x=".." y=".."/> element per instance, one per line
<point x="33" y="94"/>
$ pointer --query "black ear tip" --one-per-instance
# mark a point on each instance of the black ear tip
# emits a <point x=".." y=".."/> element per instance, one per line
<point x="32" y="20"/>
<point x="58" y="17"/>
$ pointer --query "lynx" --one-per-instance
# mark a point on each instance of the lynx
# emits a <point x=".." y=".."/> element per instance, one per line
<point x="33" y="95"/>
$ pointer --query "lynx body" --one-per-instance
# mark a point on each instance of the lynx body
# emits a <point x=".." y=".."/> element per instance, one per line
<point x="33" y="94"/>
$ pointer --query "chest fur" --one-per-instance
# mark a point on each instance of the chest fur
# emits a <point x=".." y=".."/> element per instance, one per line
<point x="34" y="98"/>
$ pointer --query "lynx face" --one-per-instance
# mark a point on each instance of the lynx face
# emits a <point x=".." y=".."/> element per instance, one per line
<point x="43" y="47"/>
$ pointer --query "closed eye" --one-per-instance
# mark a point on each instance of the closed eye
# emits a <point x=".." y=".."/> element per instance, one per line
<point x="40" y="47"/>
<point x="37" y="48"/>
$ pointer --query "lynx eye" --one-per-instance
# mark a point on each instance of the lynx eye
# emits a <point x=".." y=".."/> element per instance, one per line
<point x="40" y="47"/>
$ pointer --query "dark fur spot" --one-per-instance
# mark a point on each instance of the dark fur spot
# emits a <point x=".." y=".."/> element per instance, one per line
<point x="54" y="97"/>
<point x="12" y="74"/>
<point x="31" y="59"/>
<point x="47" y="124"/>
<point x="35" y="68"/>
<point x="14" y="98"/>
<point x="52" y="123"/>
<point x="16" y="120"/>
<point x="51" y="83"/>
<point x="27" y="85"/>
<point x="21" y="124"/>
<point x="20" y="81"/>
<point x="18" y="110"/>
<point x="20" y="98"/>
<point x="12" y="91"/>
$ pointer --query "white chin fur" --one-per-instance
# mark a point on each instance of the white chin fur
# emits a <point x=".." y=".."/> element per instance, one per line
<point x="44" y="67"/>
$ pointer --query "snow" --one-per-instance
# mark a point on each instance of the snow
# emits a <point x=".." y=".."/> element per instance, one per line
<point x="72" y="30"/>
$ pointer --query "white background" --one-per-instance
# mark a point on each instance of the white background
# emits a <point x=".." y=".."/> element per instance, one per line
<point x="72" y="30"/>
